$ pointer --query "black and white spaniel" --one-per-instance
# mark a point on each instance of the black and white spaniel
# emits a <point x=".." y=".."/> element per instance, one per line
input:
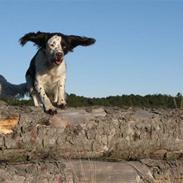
<point x="46" y="74"/>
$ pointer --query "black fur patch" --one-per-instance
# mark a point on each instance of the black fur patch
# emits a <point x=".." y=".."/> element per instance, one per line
<point x="31" y="70"/>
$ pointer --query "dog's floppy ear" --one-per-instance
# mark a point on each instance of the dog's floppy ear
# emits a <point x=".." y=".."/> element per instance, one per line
<point x="79" y="41"/>
<point x="39" y="38"/>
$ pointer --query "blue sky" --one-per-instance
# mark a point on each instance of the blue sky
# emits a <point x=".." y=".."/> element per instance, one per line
<point x="139" y="46"/>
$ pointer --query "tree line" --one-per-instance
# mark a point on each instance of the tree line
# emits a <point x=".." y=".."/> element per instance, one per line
<point x="155" y="100"/>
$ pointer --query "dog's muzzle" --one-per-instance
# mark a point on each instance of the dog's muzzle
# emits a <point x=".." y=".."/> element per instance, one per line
<point x="59" y="57"/>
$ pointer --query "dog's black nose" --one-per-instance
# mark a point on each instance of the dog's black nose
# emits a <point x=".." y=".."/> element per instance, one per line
<point x="59" y="54"/>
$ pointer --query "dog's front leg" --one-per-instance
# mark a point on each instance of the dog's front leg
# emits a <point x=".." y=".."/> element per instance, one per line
<point x="61" y="93"/>
<point x="48" y="107"/>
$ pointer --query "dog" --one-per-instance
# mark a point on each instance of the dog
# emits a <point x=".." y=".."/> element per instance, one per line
<point x="46" y="74"/>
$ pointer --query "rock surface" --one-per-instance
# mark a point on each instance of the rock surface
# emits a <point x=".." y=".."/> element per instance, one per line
<point x="108" y="133"/>
<point x="87" y="171"/>
<point x="147" y="143"/>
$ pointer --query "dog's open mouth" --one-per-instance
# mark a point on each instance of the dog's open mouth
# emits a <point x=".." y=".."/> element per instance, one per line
<point x="58" y="61"/>
<point x="58" y="58"/>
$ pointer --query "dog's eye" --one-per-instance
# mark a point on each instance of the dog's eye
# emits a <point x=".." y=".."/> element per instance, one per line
<point x="64" y="47"/>
<point x="52" y="45"/>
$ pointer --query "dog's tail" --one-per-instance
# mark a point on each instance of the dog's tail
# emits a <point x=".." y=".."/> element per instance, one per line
<point x="12" y="91"/>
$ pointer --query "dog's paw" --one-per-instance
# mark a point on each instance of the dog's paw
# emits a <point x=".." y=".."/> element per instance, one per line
<point x="62" y="106"/>
<point x="51" y="111"/>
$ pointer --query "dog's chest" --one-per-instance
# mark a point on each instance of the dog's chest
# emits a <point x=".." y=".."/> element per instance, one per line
<point x="50" y="80"/>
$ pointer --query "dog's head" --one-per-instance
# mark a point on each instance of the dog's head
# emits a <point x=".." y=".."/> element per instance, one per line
<point x="56" y="45"/>
<point x="54" y="50"/>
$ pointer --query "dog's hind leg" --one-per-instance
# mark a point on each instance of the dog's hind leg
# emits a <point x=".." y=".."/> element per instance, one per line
<point x="36" y="99"/>
<point x="32" y="92"/>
